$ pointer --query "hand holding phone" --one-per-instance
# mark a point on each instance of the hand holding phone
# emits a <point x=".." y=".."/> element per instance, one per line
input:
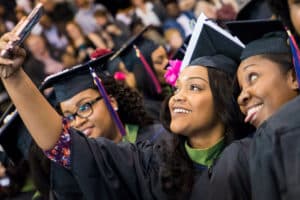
<point x="24" y="27"/>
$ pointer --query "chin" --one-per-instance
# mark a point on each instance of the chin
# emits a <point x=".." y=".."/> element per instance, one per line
<point x="177" y="130"/>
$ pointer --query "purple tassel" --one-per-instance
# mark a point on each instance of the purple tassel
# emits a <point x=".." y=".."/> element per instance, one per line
<point x="148" y="69"/>
<point x="113" y="113"/>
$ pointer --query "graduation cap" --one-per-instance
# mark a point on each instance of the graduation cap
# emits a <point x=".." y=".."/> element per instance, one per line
<point x="127" y="53"/>
<point x="267" y="37"/>
<point x="260" y="36"/>
<point x="254" y="9"/>
<point x="212" y="46"/>
<point x="73" y="80"/>
<point x="129" y="43"/>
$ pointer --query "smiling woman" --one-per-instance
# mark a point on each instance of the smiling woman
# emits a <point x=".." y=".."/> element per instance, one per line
<point x="259" y="99"/>
<point x="77" y="98"/>
<point x="261" y="69"/>
<point x="268" y="83"/>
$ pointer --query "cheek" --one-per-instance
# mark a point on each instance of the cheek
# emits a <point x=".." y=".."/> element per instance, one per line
<point x="205" y="110"/>
<point x="100" y="115"/>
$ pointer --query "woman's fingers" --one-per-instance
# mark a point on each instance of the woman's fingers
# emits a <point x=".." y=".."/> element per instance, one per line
<point x="7" y="41"/>
<point x="5" y="61"/>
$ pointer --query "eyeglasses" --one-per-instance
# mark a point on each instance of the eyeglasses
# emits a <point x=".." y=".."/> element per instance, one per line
<point x="83" y="111"/>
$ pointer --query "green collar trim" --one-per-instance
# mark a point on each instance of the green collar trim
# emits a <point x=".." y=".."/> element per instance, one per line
<point x="131" y="133"/>
<point x="207" y="156"/>
<point x="28" y="186"/>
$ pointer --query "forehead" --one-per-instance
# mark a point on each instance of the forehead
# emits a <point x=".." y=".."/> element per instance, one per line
<point x="193" y="71"/>
<point x="84" y="94"/>
<point x="257" y="62"/>
<point x="159" y="51"/>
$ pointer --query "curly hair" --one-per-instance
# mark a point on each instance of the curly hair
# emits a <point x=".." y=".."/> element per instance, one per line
<point x="179" y="169"/>
<point x="131" y="106"/>
<point x="281" y="9"/>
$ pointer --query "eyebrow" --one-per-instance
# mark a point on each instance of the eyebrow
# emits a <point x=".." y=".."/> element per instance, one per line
<point x="82" y="100"/>
<point x="247" y="66"/>
<point x="79" y="103"/>
<point x="196" y="77"/>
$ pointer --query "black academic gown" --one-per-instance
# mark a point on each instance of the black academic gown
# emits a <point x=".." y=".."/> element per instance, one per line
<point x="275" y="155"/>
<point x="63" y="184"/>
<point x="105" y="170"/>
<point x="121" y="171"/>
<point x="228" y="178"/>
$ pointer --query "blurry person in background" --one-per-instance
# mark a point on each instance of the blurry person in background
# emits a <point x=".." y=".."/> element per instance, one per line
<point x="287" y="11"/>
<point x="84" y="15"/>
<point x="174" y="41"/>
<point x="206" y="7"/>
<point x="55" y="37"/>
<point x="39" y="49"/>
<point x="117" y="30"/>
<point x="187" y="17"/>
<point x="149" y="12"/>
<point x="173" y="13"/>
<point x="81" y="45"/>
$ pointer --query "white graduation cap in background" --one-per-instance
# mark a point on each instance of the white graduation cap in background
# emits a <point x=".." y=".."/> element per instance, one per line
<point x="209" y="39"/>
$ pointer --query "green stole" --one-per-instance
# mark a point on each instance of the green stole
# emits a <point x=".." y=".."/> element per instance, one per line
<point x="131" y="133"/>
<point x="206" y="156"/>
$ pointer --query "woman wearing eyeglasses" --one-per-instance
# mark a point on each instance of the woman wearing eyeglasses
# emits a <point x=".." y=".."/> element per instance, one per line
<point x="77" y="98"/>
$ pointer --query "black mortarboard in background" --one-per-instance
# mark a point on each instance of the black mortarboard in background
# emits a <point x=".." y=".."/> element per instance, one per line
<point x="255" y="9"/>
<point x="212" y="46"/>
<point x="14" y="137"/>
<point x="128" y="54"/>
<point x="260" y="36"/>
<point x="76" y="79"/>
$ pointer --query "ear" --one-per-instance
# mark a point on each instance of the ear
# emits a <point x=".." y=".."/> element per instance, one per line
<point x="114" y="103"/>
<point x="292" y="79"/>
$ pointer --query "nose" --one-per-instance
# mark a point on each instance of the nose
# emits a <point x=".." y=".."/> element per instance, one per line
<point x="244" y="97"/>
<point x="179" y="96"/>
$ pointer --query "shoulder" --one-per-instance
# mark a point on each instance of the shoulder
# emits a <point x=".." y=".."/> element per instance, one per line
<point x="286" y="118"/>
<point x="154" y="133"/>
<point x="235" y="157"/>
<point x="237" y="148"/>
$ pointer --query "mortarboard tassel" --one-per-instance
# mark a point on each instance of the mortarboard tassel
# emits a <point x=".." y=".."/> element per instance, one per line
<point x="295" y="53"/>
<point x="103" y="92"/>
<point x="148" y="69"/>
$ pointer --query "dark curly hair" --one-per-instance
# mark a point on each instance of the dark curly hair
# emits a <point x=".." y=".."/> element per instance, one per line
<point x="179" y="169"/>
<point x="281" y="9"/>
<point x="131" y="106"/>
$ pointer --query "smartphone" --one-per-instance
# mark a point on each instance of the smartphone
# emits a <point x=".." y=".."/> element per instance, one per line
<point x="24" y="27"/>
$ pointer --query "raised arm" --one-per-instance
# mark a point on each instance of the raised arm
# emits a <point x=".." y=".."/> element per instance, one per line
<point x="42" y="121"/>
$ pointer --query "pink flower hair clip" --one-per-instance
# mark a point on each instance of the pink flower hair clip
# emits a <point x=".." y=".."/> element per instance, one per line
<point x="172" y="72"/>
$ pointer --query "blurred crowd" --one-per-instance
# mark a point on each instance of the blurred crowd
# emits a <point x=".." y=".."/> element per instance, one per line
<point x="71" y="30"/>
